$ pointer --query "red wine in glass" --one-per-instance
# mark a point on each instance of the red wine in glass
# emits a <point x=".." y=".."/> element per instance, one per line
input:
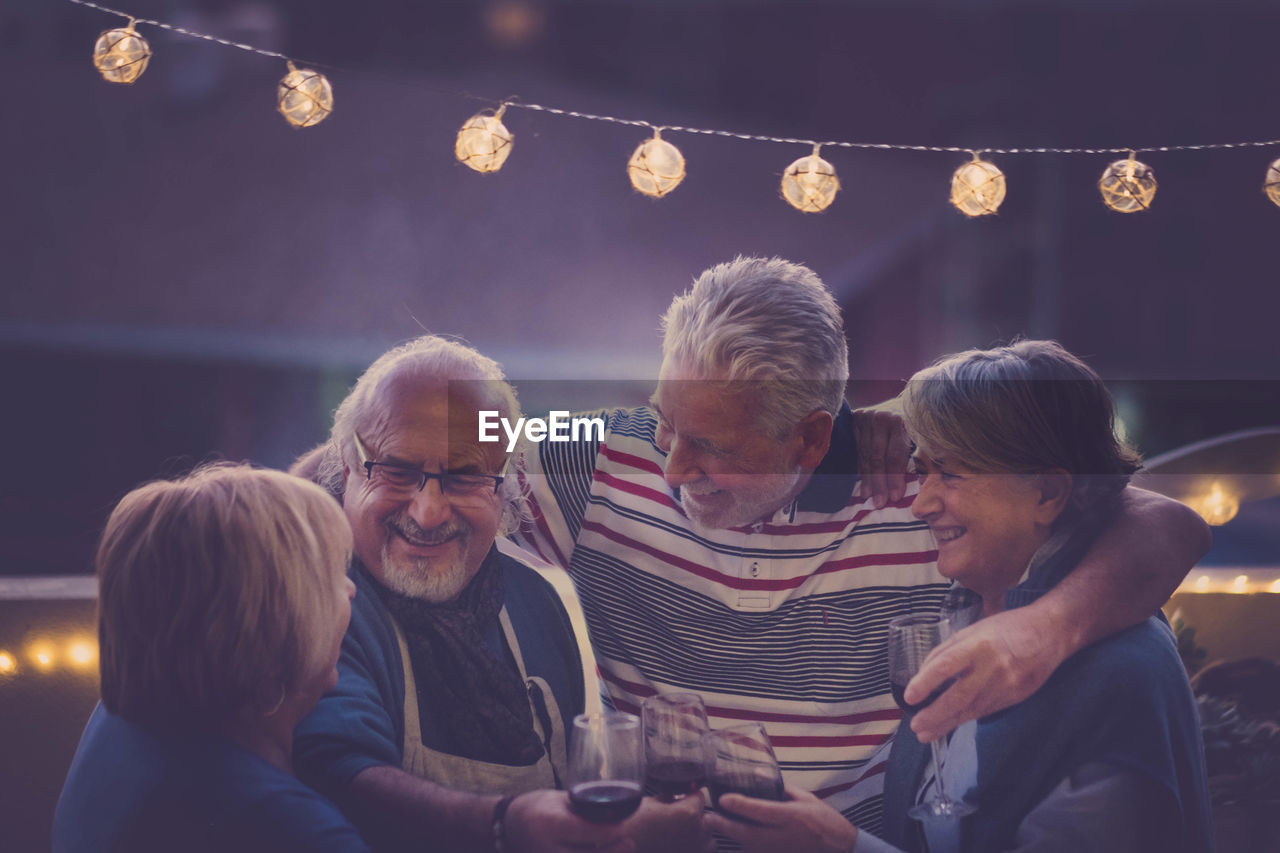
<point x="605" y="800"/>
<point x="672" y="779"/>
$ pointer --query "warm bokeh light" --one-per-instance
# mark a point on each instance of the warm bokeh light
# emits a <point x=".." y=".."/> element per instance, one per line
<point x="1202" y="583"/>
<point x="41" y="654"/>
<point x="1217" y="507"/>
<point x="7" y="664"/>
<point x="1275" y="585"/>
<point x="82" y="652"/>
<point x="1240" y="584"/>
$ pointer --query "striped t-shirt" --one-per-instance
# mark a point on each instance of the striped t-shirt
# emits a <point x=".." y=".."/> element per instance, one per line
<point x="782" y="622"/>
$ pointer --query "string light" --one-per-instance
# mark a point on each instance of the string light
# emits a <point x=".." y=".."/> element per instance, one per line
<point x="7" y="664"/>
<point x="977" y="187"/>
<point x="304" y="96"/>
<point x="484" y="142"/>
<point x="810" y="183"/>
<point x="121" y="55"/>
<point x="306" y="99"/>
<point x="1128" y="186"/>
<point x="82" y="653"/>
<point x="657" y="167"/>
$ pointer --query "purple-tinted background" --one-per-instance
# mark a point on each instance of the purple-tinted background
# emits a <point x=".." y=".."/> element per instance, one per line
<point x="184" y="275"/>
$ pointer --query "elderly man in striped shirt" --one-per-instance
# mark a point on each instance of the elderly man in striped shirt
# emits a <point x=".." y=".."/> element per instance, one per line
<point x="722" y="541"/>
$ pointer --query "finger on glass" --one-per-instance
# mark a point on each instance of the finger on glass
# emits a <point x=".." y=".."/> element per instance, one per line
<point x="911" y="639"/>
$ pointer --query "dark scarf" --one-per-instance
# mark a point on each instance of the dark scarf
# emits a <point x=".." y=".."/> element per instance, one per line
<point x="471" y="698"/>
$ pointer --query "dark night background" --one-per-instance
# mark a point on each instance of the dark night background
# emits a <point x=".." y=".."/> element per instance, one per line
<point x="183" y="276"/>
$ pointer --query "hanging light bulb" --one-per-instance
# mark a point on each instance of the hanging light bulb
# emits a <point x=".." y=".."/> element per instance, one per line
<point x="484" y="142"/>
<point x="977" y="187"/>
<point x="810" y="183"/>
<point x="304" y="97"/>
<point x="1272" y="185"/>
<point x="121" y="55"/>
<point x="657" y="167"/>
<point x="1128" y="186"/>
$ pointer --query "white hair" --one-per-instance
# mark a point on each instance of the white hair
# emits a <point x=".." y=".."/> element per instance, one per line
<point x="763" y="320"/>
<point x="427" y="357"/>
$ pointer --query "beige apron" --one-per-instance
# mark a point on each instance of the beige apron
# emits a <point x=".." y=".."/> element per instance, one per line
<point x="483" y="777"/>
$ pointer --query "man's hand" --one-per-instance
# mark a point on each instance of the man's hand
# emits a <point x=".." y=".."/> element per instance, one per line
<point x="883" y="451"/>
<point x="997" y="662"/>
<point x="542" y="822"/>
<point x="805" y="824"/>
<point x="676" y="827"/>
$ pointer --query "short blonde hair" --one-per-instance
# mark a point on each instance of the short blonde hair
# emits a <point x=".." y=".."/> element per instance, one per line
<point x="1024" y="408"/>
<point x="217" y="593"/>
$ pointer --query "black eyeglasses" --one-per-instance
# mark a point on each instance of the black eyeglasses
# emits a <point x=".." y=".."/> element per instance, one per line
<point x="406" y="478"/>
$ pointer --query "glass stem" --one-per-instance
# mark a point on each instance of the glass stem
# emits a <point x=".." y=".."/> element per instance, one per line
<point x="936" y="746"/>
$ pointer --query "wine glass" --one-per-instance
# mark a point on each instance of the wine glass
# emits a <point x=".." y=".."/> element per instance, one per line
<point x="911" y="638"/>
<point x="740" y="760"/>
<point x="606" y="766"/>
<point x="674" y="724"/>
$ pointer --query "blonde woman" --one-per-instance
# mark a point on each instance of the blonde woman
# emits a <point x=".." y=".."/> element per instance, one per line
<point x="223" y="601"/>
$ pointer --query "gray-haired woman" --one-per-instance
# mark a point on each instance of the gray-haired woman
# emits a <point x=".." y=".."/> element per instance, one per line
<point x="1020" y="469"/>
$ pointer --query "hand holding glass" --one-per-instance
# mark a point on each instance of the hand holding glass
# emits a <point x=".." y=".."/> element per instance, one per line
<point x="911" y="638"/>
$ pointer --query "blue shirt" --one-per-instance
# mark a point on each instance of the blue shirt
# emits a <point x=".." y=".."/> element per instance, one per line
<point x="133" y="788"/>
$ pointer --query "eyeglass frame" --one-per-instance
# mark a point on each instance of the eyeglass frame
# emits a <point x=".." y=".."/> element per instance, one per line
<point x="427" y="476"/>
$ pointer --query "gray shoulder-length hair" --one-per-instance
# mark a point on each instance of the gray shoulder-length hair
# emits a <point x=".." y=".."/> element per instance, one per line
<point x="763" y="320"/>
<point x="428" y="357"/>
<point x="1024" y="408"/>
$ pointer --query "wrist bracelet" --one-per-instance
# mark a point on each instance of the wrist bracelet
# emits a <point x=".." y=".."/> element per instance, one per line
<point x="499" y="822"/>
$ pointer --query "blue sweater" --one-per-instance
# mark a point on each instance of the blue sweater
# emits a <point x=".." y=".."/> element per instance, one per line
<point x="1123" y="702"/>
<point x="134" y="789"/>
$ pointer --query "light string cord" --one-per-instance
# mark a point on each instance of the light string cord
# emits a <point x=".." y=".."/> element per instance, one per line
<point x="515" y="102"/>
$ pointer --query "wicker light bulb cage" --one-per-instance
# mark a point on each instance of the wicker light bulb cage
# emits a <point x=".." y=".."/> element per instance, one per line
<point x="484" y="143"/>
<point x="305" y="97"/>
<point x="977" y="188"/>
<point x="657" y="167"/>
<point x="121" y="55"/>
<point x="1128" y="186"/>
<point x="810" y="183"/>
<point x="1272" y="184"/>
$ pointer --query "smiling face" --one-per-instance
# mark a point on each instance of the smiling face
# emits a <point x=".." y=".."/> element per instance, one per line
<point x="730" y="472"/>
<point x="424" y="544"/>
<point x="988" y="526"/>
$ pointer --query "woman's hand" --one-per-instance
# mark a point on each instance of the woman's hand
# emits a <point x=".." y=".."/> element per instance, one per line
<point x="804" y="823"/>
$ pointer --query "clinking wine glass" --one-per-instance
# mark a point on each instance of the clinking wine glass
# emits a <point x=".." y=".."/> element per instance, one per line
<point x="674" y="724"/>
<point x="740" y="760"/>
<point x="911" y="638"/>
<point x="606" y="766"/>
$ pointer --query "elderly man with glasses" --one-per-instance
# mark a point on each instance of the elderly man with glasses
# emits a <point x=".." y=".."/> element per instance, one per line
<point x="459" y="674"/>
